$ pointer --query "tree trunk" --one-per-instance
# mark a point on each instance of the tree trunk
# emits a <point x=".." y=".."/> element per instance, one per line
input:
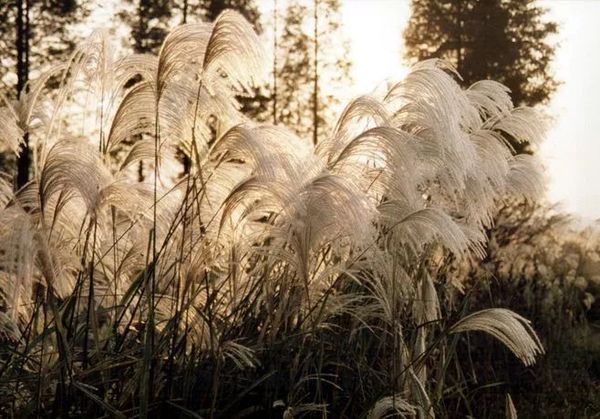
<point x="274" y="62"/>
<point x="459" y="47"/>
<point x="316" y="76"/>
<point x="23" y="32"/>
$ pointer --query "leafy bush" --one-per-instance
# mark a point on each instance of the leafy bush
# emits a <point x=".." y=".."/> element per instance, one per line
<point x="274" y="278"/>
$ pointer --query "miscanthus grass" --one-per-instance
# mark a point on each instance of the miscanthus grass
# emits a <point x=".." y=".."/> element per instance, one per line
<point x="273" y="278"/>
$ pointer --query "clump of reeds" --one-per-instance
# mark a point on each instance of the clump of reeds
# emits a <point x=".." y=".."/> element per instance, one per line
<point x="273" y="276"/>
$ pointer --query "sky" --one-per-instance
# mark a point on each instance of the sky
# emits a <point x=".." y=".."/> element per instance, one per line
<point x="374" y="28"/>
<point x="571" y="152"/>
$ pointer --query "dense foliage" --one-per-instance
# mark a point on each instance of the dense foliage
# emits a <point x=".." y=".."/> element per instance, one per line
<point x="49" y="29"/>
<point x="503" y="40"/>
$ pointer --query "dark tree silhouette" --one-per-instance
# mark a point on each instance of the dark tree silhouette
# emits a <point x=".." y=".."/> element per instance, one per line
<point x="33" y="34"/>
<point x="151" y="20"/>
<point x="247" y="8"/>
<point x="303" y="69"/>
<point x="22" y="48"/>
<point x="149" y="23"/>
<point x="503" y="40"/>
<point x="46" y="28"/>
